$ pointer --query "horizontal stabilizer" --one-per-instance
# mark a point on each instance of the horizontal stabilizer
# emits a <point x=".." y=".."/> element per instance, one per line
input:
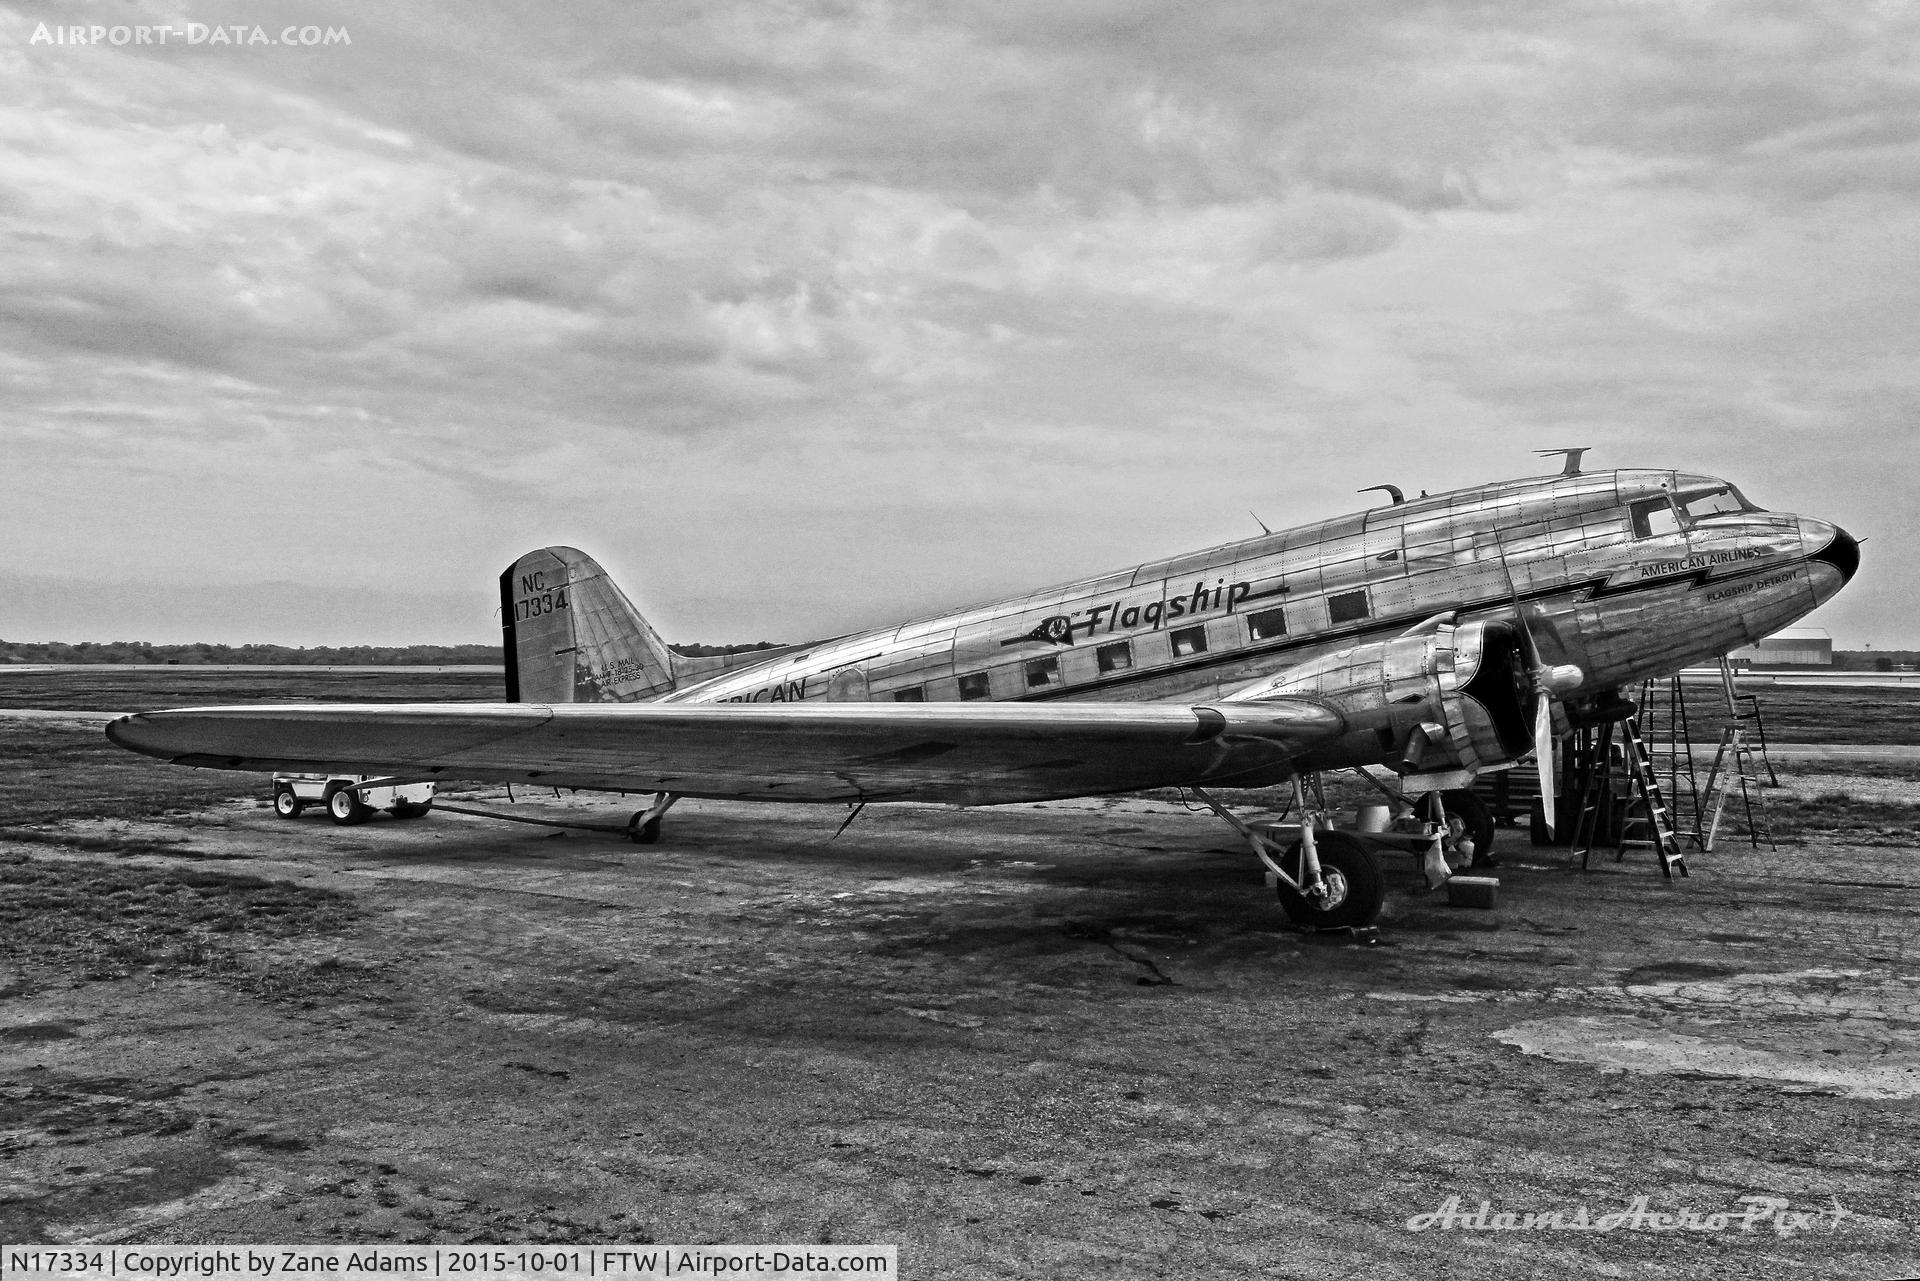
<point x="690" y="669"/>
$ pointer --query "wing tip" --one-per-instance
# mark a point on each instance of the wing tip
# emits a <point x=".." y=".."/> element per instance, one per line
<point x="120" y="732"/>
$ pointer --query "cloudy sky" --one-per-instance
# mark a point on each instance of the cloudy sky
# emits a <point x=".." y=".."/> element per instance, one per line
<point x="802" y="316"/>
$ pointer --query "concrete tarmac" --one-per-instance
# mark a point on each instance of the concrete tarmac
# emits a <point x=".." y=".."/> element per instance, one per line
<point x="1065" y="1040"/>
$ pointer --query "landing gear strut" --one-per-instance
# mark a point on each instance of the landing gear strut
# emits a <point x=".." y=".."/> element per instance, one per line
<point x="1454" y="821"/>
<point x="1326" y="878"/>
<point x="644" y="827"/>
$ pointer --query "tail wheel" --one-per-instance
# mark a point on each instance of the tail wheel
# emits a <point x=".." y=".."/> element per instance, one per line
<point x="346" y="808"/>
<point x="1354" y="887"/>
<point x="286" y="804"/>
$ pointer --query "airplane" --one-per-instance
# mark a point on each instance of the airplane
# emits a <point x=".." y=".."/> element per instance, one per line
<point x="1440" y="637"/>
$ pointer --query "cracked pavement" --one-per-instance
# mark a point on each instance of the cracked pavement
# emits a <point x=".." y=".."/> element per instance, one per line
<point x="1071" y="1039"/>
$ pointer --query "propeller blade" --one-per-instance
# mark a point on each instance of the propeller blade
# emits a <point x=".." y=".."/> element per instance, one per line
<point x="1542" y="709"/>
<point x="1531" y="646"/>
<point x="1543" y="754"/>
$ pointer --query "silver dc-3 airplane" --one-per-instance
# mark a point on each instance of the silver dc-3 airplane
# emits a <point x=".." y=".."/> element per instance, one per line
<point x="1441" y="637"/>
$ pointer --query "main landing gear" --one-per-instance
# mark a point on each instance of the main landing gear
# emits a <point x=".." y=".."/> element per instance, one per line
<point x="1330" y="879"/>
<point x="1327" y="879"/>
<point x="644" y="827"/>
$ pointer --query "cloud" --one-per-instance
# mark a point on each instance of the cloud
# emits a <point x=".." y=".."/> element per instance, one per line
<point x="832" y="293"/>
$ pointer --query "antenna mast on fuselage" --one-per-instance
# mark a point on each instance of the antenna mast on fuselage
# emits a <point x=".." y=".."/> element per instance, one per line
<point x="1572" y="456"/>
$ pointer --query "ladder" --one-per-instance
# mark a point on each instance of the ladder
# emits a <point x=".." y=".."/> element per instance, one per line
<point x="1643" y="789"/>
<point x="1734" y="765"/>
<point x="1657" y="822"/>
<point x="1751" y="716"/>
<point x="1670" y="744"/>
<point x="1738" y="763"/>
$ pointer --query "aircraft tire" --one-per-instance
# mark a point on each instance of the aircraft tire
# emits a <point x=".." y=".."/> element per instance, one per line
<point x="646" y="833"/>
<point x="286" y="804"/>
<point x="411" y="809"/>
<point x="346" y="809"/>
<point x="1473" y="811"/>
<point x="1359" y="888"/>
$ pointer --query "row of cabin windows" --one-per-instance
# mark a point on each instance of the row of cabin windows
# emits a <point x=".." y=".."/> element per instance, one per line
<point x="1117" y="656"/>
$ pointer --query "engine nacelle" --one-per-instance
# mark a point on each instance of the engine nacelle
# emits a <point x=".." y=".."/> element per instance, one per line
<point x="1436" y="708"/>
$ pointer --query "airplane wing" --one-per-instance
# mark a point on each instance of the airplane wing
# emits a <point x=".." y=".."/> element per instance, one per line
<point x="963" y="754"/>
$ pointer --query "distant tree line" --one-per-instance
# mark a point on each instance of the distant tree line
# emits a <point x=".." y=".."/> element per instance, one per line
<point x="202" y="653"/>
<point x="1875" y="660"/>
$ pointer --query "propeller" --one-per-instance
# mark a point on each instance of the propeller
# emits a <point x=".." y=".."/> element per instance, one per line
<point x="1547" y="682"/>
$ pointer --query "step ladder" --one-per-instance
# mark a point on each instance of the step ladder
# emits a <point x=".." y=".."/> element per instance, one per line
<point x="1654" y="826"/>
<point x="1739" y="763"/>
<point x="1747" y="712"/>
<point x="1656" y="823"/>
<point x="1669" y="744"/>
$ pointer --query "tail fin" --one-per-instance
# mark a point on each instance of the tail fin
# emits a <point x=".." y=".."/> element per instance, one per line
<point x="571" y="636"/>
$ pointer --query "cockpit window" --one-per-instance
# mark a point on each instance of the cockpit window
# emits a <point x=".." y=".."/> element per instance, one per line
<point x="1652" y="516"/>
<point x="1669" y="515"/>
<point x="1725" y="501"/>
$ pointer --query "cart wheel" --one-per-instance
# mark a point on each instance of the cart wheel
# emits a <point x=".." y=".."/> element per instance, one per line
<point x="346" y="808"/>
<point x="286" y="804"/>
<point x="411" y="809"/>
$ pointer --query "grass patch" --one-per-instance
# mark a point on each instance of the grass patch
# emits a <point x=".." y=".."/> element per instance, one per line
<point x="1903" y="770"/>
<point x="51" y="772"/>
<point x="1842" y="817"/>
<point x="111" y="843"/>
<point x="108" y="688"/>
<point x="1817" y="714"/>
<point x="109" y="920"/>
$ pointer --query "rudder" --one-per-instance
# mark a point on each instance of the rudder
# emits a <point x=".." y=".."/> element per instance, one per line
<point x="569" y="635"/>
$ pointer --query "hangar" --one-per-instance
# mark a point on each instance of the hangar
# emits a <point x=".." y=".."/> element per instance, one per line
<point x="1789" y="647"/>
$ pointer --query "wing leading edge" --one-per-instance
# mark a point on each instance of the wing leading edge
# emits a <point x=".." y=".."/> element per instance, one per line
<point x="961" y="754"/>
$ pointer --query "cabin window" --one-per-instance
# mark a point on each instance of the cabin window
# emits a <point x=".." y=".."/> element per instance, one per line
<point x="1042" y="672"/>
<point x="974" y="685"/>
<point x="1348" y="607"/>
<point x="1267" y="624"/>
<point x="911" y="694"/>
<point x="1117" y="657"/>
<point x="1189" y="640"/>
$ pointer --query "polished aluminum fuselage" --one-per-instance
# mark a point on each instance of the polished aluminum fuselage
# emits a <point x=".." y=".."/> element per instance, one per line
<point x="1622" y="594"/>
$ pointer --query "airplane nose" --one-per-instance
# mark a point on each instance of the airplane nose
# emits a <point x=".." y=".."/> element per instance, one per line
<point x="1842" y="552"/>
